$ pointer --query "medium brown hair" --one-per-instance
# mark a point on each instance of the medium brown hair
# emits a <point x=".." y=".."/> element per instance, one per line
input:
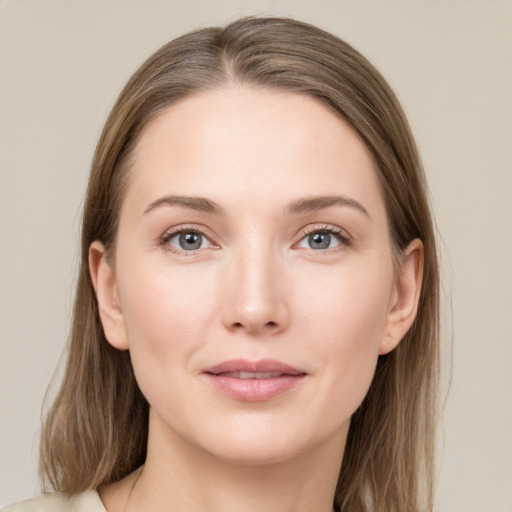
<point x="96" y="430"/>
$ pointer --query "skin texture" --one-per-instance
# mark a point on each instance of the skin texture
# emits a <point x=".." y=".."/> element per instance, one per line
<point x="255" y="289"/>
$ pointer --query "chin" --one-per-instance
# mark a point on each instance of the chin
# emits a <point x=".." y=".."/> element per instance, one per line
<point x="255" y="454"/>
<point x="269" y="443"/>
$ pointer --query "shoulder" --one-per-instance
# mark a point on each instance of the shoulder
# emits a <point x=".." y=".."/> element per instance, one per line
<point x="88" y="501"/>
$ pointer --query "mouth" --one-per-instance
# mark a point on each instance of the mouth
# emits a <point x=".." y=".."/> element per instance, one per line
<point x="252" y="375"/>
<point x="254" y="381"/>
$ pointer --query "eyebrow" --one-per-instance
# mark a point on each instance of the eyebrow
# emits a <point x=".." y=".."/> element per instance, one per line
<point x="304" y="205"/>
<point x="200" y="204"/>
<point x="309" y="204"/>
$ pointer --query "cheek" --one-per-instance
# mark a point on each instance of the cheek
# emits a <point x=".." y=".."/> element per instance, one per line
<point x="160" y="301"/>
<point x="347" y="320"/>
<point x="167" y="313"/>
<point x="349" y="305"/>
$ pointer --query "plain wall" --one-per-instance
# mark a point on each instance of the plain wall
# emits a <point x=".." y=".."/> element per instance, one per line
<point x="62" y="64"/>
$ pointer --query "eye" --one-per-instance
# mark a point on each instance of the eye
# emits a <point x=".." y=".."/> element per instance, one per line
<point x="187" y="240"/>
<point x="323" y="239"/>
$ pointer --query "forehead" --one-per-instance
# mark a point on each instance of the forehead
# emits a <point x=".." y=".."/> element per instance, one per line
<point x="251" y="143"/>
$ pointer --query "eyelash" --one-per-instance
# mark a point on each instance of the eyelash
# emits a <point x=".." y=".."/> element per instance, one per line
<point x="344" y="239"/>
<point x="169" y="235"/>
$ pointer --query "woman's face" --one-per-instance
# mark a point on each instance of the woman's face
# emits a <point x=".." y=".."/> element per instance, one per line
<point x="254" y="282"/>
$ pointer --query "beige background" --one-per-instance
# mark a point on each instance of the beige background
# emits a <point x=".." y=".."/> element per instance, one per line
<point x="450" y="62"/>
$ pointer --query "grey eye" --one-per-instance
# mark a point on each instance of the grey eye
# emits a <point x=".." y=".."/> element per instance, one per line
<point x="188" y="241"/>
<point x="319" y="240"/>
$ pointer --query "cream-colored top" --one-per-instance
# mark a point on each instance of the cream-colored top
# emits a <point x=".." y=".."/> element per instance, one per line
<point x="88" y="501"/>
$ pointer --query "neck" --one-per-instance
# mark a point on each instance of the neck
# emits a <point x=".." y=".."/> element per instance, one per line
<point x="178" y="477"/>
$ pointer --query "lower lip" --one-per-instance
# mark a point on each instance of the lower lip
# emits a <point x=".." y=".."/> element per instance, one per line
<point x="254" y="390"/>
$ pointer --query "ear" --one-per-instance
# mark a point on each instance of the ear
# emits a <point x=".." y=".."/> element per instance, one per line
<point x="405" y="297"/>
<point x="104" y="283"/>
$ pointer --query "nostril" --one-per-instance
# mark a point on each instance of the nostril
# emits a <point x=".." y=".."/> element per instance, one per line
<point x="240" y="325"/>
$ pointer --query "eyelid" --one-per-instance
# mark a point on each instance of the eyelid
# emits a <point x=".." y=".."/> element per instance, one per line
<point x="344" y="237"/>
<point x="192" y="228"/>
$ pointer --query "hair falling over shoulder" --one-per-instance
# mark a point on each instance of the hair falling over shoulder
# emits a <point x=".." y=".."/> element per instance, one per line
<point x="96" y="430"/>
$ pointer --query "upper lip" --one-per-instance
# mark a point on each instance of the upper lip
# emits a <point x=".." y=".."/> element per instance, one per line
<point x="261" y="366"/>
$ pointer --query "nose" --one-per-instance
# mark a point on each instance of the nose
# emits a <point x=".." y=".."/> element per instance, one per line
<point x="255" y="295"/>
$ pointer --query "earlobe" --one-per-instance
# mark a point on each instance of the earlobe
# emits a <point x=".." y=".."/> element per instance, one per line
<point x="405" y="297"/>
<point x="104" y="283"/>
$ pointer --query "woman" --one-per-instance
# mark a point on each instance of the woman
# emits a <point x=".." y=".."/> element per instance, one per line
<point x="256" y="315"/>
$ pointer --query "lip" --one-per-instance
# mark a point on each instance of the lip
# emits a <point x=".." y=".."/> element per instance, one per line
<point x="280" y="378"/>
